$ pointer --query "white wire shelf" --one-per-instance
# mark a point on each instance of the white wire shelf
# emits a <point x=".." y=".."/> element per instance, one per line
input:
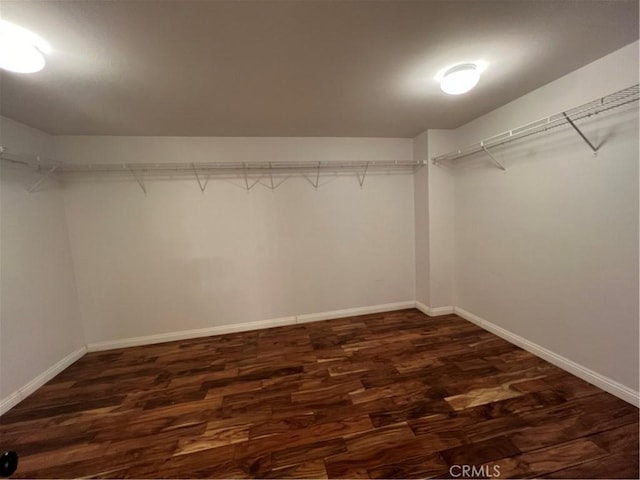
<point x="271" y="174"/>
<point x="609" y="103"/>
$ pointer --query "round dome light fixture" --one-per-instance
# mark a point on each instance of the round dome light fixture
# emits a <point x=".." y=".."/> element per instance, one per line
<point x="460" y="78"/>
<point x="21" y="50"/>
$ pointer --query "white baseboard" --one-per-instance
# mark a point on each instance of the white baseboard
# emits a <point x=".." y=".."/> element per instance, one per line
<point x="434" y="312"/>
<point x="352" y="312"/>
<point x="242" y="327"/>
<point x="605" y="383"/>
<point x="186" y="334"/>
<point x="23" y="392"/>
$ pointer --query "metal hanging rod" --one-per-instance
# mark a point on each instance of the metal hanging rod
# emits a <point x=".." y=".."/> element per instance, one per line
<point x="213" y="168"/>
<point x="625" y="97"/>
<point x="209" y="168"/>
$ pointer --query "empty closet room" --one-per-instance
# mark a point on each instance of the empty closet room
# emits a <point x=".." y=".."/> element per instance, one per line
<point x="319" y="239"/>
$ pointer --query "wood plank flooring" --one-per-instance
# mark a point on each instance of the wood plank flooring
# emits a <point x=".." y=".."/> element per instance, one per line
<point x="377" y="396"/>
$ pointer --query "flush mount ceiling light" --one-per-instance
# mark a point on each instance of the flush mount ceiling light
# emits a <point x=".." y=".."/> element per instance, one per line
<point x="21" y="51"/>
<point x="460" y="78"/>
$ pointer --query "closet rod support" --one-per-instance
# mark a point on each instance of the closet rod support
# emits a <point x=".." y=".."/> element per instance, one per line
<point x="246" y="177"/>
<point x="202" y="186"/>
<point x="582" y="135"/>
<point x="317" y="182"/>
<point x="317" y="176"/>
<point x="280" y="182"/>
<point x="38" y="182"/>
<point x="493" y="159"/>
<point x="139" y="180"/>
<point x="256" y="182"/>
<point x="364" y="174"/>
<point x="271" y="177"/>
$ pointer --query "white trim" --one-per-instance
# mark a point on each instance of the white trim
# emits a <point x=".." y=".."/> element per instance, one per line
<point x="242" y="327"/>
<point x="434" y="312"/>
<point x="605" y="383"/>
<point x="186" y="334"/>
<point x="23" y="392"/>
<point x="422" y="307"/>
<point x="352" y="312"/>
<point x="437" y="311"/>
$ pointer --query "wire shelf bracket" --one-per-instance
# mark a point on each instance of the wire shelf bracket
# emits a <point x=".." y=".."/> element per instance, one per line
<point x="493" y="159"/>
<point x="42" y="178"/>
<point x="582" y="135"/>
<point x="315" y="183"/>
<point x="202" y="186"/>
<point x="364" y="174"/>
<point x="140" y="181"/>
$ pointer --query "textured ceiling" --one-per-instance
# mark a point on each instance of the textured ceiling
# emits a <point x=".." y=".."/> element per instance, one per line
<point x="294" y="68"/>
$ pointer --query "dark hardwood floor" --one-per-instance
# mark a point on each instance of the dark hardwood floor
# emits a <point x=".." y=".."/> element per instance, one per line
<point x="377" y="396"/>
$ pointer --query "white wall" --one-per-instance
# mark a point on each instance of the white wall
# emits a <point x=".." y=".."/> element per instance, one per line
<point x="434" y="224"/>
<point x="549" y="249"/>
<point x="177" y="259"/>
<point x="92" y="149"/>
<point x="441" y="222"/>
<point x="421" y="220"/>
<point x="39" y="319"/>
